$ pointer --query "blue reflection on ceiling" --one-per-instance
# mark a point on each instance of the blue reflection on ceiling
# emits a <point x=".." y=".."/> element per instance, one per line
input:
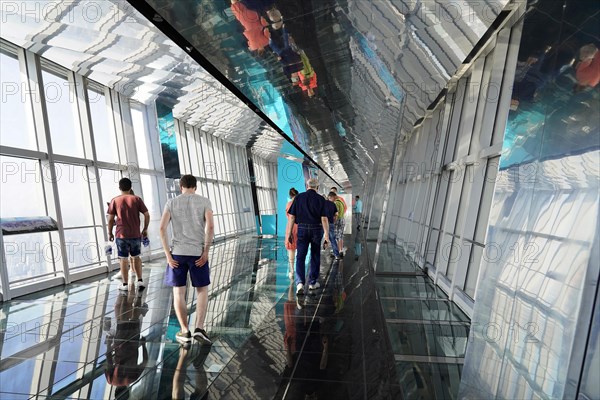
<point x="371" y="55"/>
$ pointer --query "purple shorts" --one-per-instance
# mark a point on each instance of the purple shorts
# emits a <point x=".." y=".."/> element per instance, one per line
<point x="200" y="276"/>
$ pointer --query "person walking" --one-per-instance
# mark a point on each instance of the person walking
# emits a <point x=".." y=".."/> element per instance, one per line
<point x="131" y="260"/>
<point x="358" y="206"/>
<point x="308" y="211"/>
<point x="291" y="246"/>
<point x="127" y="208"/>
<point x="332" y="214"/>
<point x="191" y="219"/>
<point x="335" y="190"/>
<point x="340" y="223"/>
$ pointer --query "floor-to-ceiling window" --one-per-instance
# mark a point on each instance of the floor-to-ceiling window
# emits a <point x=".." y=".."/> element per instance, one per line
<point x="65" y="143"/>
<point x="222" y="172"/>
<point x="441" y="197"/>
<point x="266" y="184"/>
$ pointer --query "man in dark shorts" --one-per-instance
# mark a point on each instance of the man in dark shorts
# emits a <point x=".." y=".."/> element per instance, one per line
<point x="308" y="211"/>
<point x="332" y="215"/>
<point x="191" y="219"/>
<point x="340" y="222"/>
<point x="127" y="209"/>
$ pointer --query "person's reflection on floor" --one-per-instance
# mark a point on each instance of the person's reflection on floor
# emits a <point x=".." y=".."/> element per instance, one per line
<point x="125" y="343"/>
<point x="357" y="247"/>
<point x="308" y="339"/>
<point x="196" y="356"/>
<point x="327" y="314"/>
<point x="338" y="289"/>
<point x="289" y="313"/>
<point x="305" y="350"/>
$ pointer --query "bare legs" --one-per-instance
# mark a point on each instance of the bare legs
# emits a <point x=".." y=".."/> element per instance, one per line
<point x="180" y="305"/>
<point x="124" y="266"/>
<point x="201" y="305"/>
<point x="137" y="266"/>
<point x="292" y="260"/>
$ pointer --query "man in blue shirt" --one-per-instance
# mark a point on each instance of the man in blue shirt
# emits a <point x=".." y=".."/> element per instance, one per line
<point x="358" y="212"/>
<point x="308" y="211"/>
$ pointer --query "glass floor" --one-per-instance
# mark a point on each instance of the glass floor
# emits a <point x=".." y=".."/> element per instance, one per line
<point x="334" y="343"/>
<point x="428" y="332"/>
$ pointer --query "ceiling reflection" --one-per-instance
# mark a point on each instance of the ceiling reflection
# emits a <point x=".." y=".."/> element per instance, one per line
<point x="111" y="43"/>
<point x="344" y="79"/>
<point x="355" y="74"/>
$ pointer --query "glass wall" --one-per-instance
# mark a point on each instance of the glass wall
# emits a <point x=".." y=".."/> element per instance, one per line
<point x="266" y="185"/>
<point x="222" y="172"/>
<point x="537" y="289"/>
<point x="443" y="182"/>
<point x="65" y="144"/>
<point x="13" y="117"/>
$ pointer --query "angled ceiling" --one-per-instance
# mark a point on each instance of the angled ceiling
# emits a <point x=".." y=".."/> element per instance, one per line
<point x="379" y="65"/>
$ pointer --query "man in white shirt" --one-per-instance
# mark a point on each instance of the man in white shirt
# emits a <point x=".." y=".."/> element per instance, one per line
<point x="191" y="219"/>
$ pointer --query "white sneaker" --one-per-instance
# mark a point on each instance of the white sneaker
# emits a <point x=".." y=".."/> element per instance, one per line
<point x="314" y="286"/>
<point x="140" y="285"/>
<point x="118" y="275"/>
<point x="124" y="287"/>
<point x="300" y="288"/>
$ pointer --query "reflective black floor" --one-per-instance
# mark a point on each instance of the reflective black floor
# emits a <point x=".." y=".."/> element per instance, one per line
<point x="88" y="341"/>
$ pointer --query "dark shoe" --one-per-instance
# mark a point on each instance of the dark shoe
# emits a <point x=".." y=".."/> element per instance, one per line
<point x="183" y="337"/>
<point x="201" y="336"/>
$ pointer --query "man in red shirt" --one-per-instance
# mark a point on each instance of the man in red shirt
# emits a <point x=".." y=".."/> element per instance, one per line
<point x="127" y="209"/>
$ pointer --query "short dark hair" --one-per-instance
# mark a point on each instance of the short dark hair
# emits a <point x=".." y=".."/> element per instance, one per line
<point x="331" y="194"/>
<point x="125" y="185"/>
<point x="357" y="196"/>
<point x="293" y="192"/>
<point x="188" y="181"/>
<point x="333" y="188"/>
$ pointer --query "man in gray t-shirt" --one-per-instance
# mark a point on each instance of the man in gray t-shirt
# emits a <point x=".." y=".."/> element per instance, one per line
<point x="191" y="219"/>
